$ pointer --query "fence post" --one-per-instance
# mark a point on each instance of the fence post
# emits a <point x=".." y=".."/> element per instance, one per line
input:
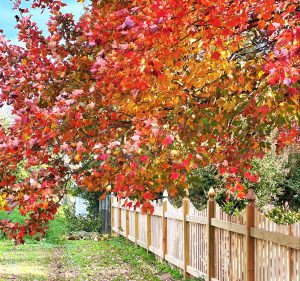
<point x="148" y="230"/>
<point x="164" y="224"/>
<point x="127" y="221"/>
<point x="211" y="234"/>
<point x="291" y="256"/>
<point x="136" y="226"/>
<point x="112" y="212"/>
<point x="105" y="212"/>
<point x="185" y="209"/>
<point x="119" y="215"/>
<point x="250" y="240"/>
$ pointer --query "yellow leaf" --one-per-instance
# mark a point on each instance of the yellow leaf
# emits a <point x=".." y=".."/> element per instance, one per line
<point x="2" y="202"/>
<point x="260" y="74"/>
<point x="78" y="158"/>
<point x="26" y="137"/>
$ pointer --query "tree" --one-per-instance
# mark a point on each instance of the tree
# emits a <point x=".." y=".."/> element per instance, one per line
<point x="277" y="191"/>
<point x="140" y="93"/>
<point x="279" y="180"/>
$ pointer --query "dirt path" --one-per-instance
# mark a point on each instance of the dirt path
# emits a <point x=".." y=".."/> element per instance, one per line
<point x="104" y="261"/>
<point x="60" y="267"/>
<point x="112" y="260"/>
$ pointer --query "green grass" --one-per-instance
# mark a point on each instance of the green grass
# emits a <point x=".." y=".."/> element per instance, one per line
<point x="117" y="259"/>
<point x="55" y="258"/>
<point x="15" y="216"/>
<point x="25" y="262"/>
<point x="57" y="228"/>
<point x="114" y="259"/>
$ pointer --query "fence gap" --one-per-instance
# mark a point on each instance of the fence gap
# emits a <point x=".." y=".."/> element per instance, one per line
<point x="291" y="256"/>
<point x="112" y="212"/>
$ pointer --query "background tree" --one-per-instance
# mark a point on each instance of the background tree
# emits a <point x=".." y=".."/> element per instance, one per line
<point x="277" y="190"/>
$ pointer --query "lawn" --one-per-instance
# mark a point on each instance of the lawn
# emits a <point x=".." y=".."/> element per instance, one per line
<point x="113" y="259"/>
<point x="25" y="262"/>
<point x="55" y="258"/>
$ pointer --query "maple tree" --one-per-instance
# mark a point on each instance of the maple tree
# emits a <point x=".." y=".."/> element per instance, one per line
<point x="136" y="94"/>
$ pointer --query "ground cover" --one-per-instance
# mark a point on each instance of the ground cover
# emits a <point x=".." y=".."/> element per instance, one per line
<point x="113" y="259"/>
<point x="25" y="262"/>
<point x="56" y="258"/>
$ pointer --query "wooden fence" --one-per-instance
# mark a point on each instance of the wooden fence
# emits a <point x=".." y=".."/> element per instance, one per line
<point x="211" y="243"/>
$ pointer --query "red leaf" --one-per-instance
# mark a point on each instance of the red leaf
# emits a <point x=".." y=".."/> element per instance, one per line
<point x="233" y="170"/>
<point x="175" y="175"/>
<point x="222" y="170"/>
<point x="215" y="55"/>
<point x="147" y="195"/>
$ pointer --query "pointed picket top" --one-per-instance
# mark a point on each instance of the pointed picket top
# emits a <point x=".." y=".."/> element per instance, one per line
<point x="211" y="193"/>
<point x="251" y="197"/>
<point x="186" y="195"/>
<point x="165" y="194"/>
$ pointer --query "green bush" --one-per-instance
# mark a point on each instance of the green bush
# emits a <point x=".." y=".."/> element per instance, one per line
<point x="80" y="223"/>
<point x="279" y="183"/>
<point x="283" y="216"/>
<point x="230" y="204"/>
<point x="64" y="222"/>
<point x="200" y="180"/>
<point x="278" y="190"/>
<point x="57" y="228"/>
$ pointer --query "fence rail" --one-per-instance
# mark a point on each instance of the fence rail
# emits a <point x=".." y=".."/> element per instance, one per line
<point x="211" y="243"/>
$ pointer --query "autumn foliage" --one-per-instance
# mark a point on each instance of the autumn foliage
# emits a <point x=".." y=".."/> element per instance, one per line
<point x="138" y="93"/>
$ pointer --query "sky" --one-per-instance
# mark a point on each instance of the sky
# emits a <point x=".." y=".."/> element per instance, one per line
<point x="8" y="21"/>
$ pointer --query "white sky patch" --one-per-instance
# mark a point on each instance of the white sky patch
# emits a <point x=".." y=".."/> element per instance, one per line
<point x="5" y="111"/>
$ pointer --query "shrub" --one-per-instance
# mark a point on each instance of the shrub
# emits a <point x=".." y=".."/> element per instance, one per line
<point x="230" y="204"/>
<point x="283" y="216"/>
<point x="89" y="223"/>
<point x="278" y="190"/>
<point x="57" y="227"/>
<point x="200" y="181"/>
<point x="91" y="197"/>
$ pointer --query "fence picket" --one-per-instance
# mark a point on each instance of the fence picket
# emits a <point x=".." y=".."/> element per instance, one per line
<point x="213" y="243"/>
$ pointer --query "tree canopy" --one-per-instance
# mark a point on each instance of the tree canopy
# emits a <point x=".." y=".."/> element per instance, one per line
<point x="137" y="94"/>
